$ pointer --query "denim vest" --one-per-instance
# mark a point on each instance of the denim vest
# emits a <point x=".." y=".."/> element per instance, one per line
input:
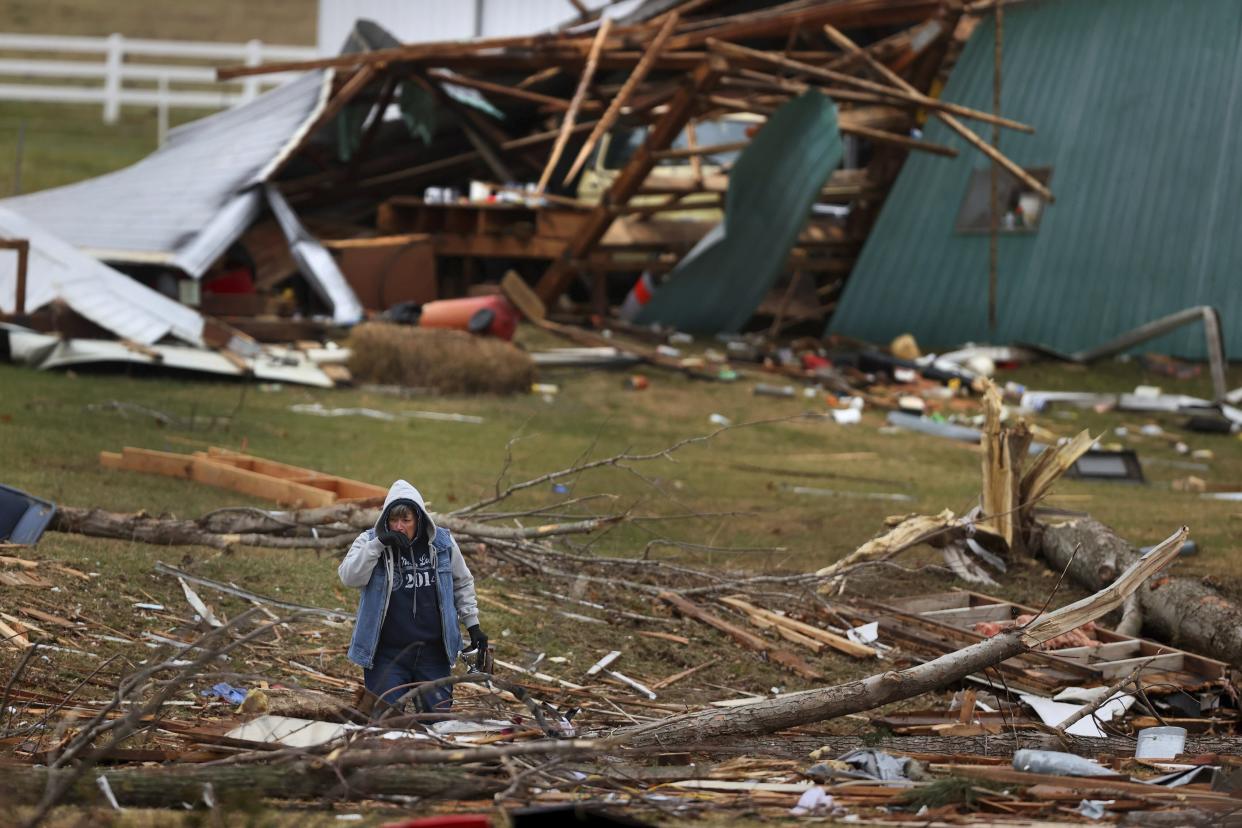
<point x="373" y="602"/>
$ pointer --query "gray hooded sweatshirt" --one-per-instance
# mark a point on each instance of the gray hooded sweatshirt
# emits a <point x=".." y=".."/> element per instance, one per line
<point x="369" y="565"/>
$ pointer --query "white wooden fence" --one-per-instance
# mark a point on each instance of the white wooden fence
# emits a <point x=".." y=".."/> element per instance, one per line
<point x="107" y="59"/>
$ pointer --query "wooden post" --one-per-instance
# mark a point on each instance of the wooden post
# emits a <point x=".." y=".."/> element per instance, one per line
<point x="631" y="83"/>
<point x="567" y="125"/>
<point x="561" y="272"/>
<point x="22" y="246"/>
<point x="994" y="236"/>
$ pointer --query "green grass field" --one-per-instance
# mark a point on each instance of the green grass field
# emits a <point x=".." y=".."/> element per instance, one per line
<point x="64" y="143"/>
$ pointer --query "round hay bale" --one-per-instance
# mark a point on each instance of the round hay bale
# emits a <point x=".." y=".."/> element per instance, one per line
<point x="451" y="362"/>
<point x="905" y="347"/>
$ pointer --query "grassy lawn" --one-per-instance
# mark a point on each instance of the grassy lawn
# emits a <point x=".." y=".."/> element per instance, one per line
<point x="64" y="143"/>
<point x="53" y="427"/>
<point x="290" y="22"/>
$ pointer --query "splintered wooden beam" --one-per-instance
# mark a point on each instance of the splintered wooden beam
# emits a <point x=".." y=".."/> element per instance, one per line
<point x="778" y="21"/>
<point x="943" y="113"/>
<point x="710" y="149"/>
<point x="785" y="658"/>
<point x="343" y="96"/>
<point x="661" y="134"/>
<point x="904" y="93"/>
<point x="1004" y="451"/>
<point x="571" y="115"/>
<point x="831" y="639"/>
<point x="631" y="83"/>
<point x="502" y="90"/>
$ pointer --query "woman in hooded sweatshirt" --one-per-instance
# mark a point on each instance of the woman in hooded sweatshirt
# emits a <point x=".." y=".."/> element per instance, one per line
<point x="416" y="590"/>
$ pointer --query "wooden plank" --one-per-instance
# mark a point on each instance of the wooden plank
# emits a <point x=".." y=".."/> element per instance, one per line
<point x="680" y="108"/>
<point x="676" y="677"/>
<point x="212" y="473"/>
<point x="622" y="97"/>
<point x="571" y="115"/>
<point x="750" y="641"/>
<point x="500" y="89"/>
<point x="837" y="642"/>
<point x="47" y="617"/>
<point x="947" y="119"/>
<point x="164" y="463"/>
<point x="967" y="616"/>
<point x="1119" y="668"/>
<point x="343" y="487"/>
<point x="905" y="92"/>
<point x="268" y="468"/>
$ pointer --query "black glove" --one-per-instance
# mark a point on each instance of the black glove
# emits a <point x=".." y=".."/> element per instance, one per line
<point x="397" y="540"/>
<point x="478" y="643"/>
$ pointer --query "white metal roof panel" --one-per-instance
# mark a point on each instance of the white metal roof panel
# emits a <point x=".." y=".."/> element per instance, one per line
<point x="110" y="299"/>
<point x="185" y="203"/>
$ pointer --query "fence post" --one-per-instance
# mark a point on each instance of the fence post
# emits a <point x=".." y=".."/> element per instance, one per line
<point x="112" y="78"/>
<point x="254" y="56"/>
<point x="161" y="112"/>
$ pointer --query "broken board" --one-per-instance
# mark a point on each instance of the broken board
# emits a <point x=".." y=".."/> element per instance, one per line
<point x="254" y="476"/>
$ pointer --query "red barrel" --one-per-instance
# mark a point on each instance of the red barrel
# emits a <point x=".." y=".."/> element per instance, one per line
<point x="492" y="315"/>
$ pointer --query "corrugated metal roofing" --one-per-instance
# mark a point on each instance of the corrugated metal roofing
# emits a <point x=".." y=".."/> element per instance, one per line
<point x="112" y="300"/>
<point x="184" y="204"/>
<point x="777" y="178"/>
<point x="1137" y="106"/>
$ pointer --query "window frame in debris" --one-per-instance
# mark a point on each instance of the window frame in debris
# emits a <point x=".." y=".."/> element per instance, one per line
<point x="974" y="215"/>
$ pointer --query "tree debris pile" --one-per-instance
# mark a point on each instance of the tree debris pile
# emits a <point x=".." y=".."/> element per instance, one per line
<point x="687" y="691"/>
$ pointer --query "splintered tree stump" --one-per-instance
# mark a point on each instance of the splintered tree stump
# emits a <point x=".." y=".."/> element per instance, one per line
<point x="1183" y="612"/>
<point x="170" y="787"/>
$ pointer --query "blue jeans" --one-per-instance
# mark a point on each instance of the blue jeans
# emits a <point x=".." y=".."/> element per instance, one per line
<point x="394" y="670"/>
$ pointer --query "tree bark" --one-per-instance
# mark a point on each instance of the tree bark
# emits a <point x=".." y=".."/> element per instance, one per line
<point x="1180" y="611"/>
<point x="168" y="787"/>
<point x="770" y="715"/>
<point x="797" y="746"/>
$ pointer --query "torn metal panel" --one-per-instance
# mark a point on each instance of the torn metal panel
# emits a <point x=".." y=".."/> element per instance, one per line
<point x="110" y="299"/>
<point x="718" y="285"/>
<point x="185" y="203"/>
<point x="316" y="263"/>
<point x="46" y="352"/>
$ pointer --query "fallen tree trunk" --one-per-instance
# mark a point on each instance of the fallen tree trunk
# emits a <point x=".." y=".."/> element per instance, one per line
<point x="797" y="746"/>
<point x="256" y="527"/>
<point x="769" y="715"/>
<point x="1183" y="612"/>
<point x="169" y="787"/>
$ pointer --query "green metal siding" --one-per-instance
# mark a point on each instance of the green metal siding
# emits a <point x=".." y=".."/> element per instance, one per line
<point x="718" y="285"/>
<point x="1137" y="106"/>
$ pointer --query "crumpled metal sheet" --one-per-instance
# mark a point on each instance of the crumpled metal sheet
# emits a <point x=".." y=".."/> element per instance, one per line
<point x="107" y="297"/>
<point x="315" y="262"/>
<point x="719" y="283"/>
<point x="185" y="203"/>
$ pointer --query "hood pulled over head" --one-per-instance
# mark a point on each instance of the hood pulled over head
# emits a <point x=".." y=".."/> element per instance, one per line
<point x="401" y="492"/>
